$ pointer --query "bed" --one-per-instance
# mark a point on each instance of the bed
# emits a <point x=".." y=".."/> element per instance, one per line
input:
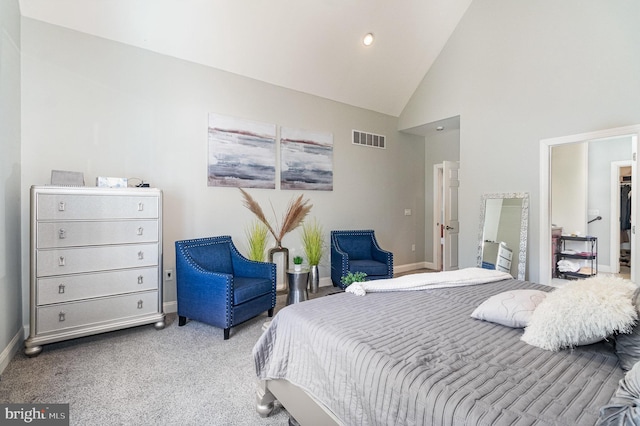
<point x="418" y="358"/>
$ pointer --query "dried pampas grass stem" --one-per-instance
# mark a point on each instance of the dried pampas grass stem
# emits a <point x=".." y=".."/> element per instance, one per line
<point x="297" y="210"/>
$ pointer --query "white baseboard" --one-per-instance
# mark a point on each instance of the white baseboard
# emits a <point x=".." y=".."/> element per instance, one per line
<point x="8" y="353"/>
<point x="410" y="267"/>
<point x="430" y="265"/>
<point x="604" y="268"/>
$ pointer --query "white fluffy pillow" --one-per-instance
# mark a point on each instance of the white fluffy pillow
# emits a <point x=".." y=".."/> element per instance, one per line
<point x="511" y="308"/>
<point x="582" y="312"/>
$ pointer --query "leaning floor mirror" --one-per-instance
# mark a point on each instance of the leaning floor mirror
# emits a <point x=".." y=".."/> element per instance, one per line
<point x="503" y="232"/>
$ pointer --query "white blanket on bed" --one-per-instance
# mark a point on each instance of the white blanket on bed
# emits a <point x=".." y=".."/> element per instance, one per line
<point x="461" y="277"/>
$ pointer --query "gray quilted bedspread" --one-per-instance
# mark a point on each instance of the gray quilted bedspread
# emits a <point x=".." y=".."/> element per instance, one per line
<point x="418" y="358"/>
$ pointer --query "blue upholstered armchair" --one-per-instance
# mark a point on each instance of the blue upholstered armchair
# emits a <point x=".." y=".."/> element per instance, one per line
<point x="218" y="286"/>
<point x="358" y="251"/>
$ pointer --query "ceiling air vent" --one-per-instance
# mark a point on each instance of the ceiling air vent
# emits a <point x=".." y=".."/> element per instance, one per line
<point x="369" y="139"/>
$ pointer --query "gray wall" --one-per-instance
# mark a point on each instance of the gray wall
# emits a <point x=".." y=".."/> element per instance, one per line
<point x="108" y="109"/>
<point x="10" y="287"/>
<point x="517" y="72"/>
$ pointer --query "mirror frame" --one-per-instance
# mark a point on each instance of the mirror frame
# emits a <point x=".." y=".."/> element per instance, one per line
<point x="524" y="222"/>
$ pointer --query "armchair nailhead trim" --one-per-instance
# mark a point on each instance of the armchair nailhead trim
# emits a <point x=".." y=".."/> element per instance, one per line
<point x="363" y="232"/>
<point x="184" y="245"/>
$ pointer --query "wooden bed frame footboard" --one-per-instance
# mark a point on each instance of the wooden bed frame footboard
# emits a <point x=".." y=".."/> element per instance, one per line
<point x="299" y="404"/>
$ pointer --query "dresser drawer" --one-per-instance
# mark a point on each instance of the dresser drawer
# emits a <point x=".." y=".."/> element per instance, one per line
<point x="90" y="259"/>
<point x="66" y="288"/>
<point x="506" y="253"/>
<point x="69" y="234"/>
<point x="83" y="313"/>
<point x="504" y="263"/>
<point x="74" y="206"/>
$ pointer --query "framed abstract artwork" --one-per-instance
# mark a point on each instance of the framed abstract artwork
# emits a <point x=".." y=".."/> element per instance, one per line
<point x="242" y="153"/>
<point x="306" y="159"/>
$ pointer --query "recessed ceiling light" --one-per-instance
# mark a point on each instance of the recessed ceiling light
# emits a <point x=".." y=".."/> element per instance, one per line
<point x="368" y="39"/>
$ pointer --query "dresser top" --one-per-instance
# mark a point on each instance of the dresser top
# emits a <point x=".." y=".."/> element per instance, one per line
<point x="90" y="190"/>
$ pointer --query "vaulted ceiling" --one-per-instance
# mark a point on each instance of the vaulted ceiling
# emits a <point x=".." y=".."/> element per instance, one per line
<point x="312" y="46"/>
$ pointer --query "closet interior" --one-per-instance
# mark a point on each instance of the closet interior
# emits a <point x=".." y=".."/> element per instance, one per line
<point x="625" y="219"/>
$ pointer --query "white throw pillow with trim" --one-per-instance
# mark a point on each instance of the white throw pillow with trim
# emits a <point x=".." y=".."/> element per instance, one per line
<point x="511" y="308"/>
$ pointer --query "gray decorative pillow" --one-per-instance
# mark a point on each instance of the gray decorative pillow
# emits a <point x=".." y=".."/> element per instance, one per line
<point x="511" y="308"/>
<point x="624" y="406"/>
<point x="628" y="345"/>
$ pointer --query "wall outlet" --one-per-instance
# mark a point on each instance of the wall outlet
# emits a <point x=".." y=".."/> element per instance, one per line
<point x="413" y="247"/>
<point x="168" y="274"/>
<point x="407" y="212"/>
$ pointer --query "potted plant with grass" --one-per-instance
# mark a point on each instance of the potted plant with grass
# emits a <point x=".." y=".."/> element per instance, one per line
<point x="257" y="237"/>
<point x="297" y="263"/>
<point x="314" y="245"/>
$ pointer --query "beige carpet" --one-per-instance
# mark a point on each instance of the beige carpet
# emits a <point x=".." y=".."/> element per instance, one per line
<point x="141" y="376"/>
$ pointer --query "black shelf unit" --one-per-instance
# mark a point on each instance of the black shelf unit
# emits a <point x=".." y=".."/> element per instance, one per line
<point x="590" y="255"/>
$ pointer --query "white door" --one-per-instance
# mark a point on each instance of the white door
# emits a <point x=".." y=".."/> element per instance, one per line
<point x="451" y="222"/>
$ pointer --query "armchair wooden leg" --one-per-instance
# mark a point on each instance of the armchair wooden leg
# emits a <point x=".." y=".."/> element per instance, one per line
<point x="226" y="333"/>
<point x="270" y="312"/>
<point x="181" y="321"/>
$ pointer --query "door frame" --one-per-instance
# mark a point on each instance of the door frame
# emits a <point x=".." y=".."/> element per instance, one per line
<point x="451" y="233"/>
<point x="614" y="238"/>
<point x="438" y="188"/>
<point x="544" y="266"/>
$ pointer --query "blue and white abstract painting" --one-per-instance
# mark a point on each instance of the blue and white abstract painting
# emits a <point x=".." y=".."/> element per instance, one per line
<point x="242" y="153"/>
<point x="306" y="160"/>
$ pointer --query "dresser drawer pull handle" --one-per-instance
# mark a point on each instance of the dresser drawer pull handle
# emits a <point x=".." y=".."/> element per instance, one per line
<point x="140" y="255"/>
<point x="61" y="316"/>
<point x="61" y="261"/>
<point x="140" y="279"/>
<point x="61" y="289"/>
<point x="62" y="234"/>
<point x="140" y="230"/>
<point x="139" y="304"/>
<point x="140" y="206"/>
<point x="61" y="206"/>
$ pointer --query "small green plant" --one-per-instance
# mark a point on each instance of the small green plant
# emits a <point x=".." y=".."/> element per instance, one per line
<point x="257" y="236"/>
<point x="352" y="277"/>
<point x="297" y="260"/>
<point x="313" y="241"/>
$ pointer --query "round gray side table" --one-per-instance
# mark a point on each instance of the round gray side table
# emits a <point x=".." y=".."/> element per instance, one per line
<point x="297" y="285"/>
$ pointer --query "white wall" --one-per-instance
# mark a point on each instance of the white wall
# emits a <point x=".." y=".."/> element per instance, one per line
<point x="518" y="72"/>
<point x="10" y="286"/>
<point x="104" y="108"/>
<point x="569" y="174"/>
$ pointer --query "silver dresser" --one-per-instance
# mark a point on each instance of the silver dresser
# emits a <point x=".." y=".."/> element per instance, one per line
<point x="96" y="262"/>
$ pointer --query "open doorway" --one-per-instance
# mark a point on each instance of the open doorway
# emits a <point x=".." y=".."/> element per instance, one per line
<point x="442" y="143"/>
<point x="586" y="206"/>
<point x="596" y="187"/>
